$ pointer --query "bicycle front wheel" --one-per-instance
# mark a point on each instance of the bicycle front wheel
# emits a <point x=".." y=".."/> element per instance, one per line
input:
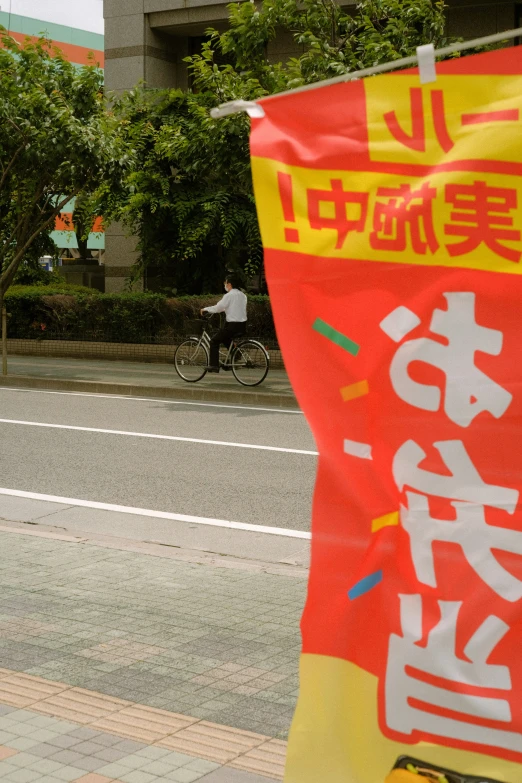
<point x="250" y="363"/>
<point x="191" y="360"/>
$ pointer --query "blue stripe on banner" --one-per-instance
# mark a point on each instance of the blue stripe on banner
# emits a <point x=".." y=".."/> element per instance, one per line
<point x="364" y="585"/>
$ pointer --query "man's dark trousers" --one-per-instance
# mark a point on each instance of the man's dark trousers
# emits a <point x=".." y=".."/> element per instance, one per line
<point x="231" y="330"/>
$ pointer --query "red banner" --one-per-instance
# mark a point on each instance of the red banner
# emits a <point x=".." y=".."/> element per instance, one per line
<point x="391" y="215"/>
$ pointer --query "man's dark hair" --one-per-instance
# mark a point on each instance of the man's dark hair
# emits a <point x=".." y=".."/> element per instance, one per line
<point x="233" y="280"/>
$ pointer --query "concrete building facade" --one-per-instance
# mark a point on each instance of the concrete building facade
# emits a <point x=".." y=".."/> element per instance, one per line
<point x="146" y="40"/>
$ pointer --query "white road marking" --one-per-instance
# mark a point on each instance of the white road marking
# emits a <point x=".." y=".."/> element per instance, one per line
<point x="145" y="512"/>
<point x="159" y="437"/>
<point x="153" y="399"/>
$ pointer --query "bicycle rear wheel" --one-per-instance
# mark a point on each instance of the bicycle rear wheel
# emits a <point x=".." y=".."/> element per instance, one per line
<point x="250" y="363"/>
<point x="191" y="360"/>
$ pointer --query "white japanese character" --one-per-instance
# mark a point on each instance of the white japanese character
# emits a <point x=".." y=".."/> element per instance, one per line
<point x="471" y="531"/>
<point x="464" y="483"/>
<point x="469" y="391"/>
<point x="438" y="658"/>
<point x="470" y="494"/>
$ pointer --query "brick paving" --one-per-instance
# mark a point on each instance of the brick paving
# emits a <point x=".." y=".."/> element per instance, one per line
<point x="36" y="748"/>
<point x="217" y="644"/>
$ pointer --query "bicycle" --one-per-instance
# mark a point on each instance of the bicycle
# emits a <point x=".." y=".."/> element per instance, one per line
<point x="248" y="359"/>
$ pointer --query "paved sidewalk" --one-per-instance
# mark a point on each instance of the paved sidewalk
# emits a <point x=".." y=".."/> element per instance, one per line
<point x="70" y="734"/>
<point x="210" y="645"/>
<point x="147" y="379"/>
<point x="218" y="644"/>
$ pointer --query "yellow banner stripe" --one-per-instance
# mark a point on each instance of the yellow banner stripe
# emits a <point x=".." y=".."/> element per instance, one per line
<point x="321" y="224"/>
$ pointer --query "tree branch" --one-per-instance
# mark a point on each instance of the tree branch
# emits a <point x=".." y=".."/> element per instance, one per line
<point x="15" y="126"/>
<point x="4" y="250"/>
<point x="7" y="276"/>
<point x="10" y="165"/>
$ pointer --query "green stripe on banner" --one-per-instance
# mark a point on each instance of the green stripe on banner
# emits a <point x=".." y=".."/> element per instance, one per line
<point x="336" y="337"/>
<point x="56" y="32"/>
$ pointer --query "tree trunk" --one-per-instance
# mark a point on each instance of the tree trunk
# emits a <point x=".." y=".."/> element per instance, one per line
<point x="82" y="246"/>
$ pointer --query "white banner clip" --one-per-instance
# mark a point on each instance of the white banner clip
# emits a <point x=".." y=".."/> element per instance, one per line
<point x="426" y="59"/>
<point x="252" y="108"/>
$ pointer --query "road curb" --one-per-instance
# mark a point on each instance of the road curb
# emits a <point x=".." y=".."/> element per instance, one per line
<point x="251" y="397"/>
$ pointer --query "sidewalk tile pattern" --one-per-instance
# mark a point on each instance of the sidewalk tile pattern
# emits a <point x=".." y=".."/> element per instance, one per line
<point x="47" y="749"/>
<point x="135" y="726"/>
<point x="221" y="645"/>
<point x="266" y="759"/>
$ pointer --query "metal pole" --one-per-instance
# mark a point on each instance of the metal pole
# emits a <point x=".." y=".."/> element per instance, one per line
<point x="4" y="341"/>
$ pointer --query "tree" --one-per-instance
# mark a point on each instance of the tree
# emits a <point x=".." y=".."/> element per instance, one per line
<point x="30" y="272"/>
<point x="333" y="40"/>
<point x="189" y="196"/>
<point x="56" y="139"/>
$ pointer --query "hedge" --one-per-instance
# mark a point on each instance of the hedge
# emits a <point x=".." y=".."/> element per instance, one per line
<point x="46" y="313"/>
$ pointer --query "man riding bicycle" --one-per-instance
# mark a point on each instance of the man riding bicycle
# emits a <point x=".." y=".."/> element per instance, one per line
<point x="234" y="305"/>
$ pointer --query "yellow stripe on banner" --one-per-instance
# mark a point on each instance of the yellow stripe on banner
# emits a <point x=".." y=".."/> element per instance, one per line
<point x="402" y="776"/>
<point x="355" y="390"/>
<point x="336" y="734"/>
<point x="491" y="103"/>
<point x="335" y="213"/>
<point x="388" y="520"/>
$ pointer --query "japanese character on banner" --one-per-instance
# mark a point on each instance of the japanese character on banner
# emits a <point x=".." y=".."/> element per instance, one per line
<point x="468" y="390"/>
<point x="340" y="199"/>
<point x="470" y="495"/>
<point x="482" y="217"/>
<point x="438" y="658"/>
<point x="417" y="139"/>
<point x="404" y="207"/>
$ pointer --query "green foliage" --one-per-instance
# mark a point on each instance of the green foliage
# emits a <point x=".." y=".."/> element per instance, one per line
<point x="333" y="40"/>
<point x="189" y="195"/>
<point x="56" y="286"/>
<point x="30" y="272"/>
<point x="56" y="139"/>
<point x="33" y="274"/>
<point x="72" y="313"/>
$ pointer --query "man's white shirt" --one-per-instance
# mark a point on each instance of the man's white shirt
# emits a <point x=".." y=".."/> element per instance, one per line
<point x="234" y="304"/>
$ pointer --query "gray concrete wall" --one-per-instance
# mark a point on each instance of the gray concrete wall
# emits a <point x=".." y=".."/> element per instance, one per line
<point x="469" y="19"/>
<point x="136" y="52"/>
<point x="120" y="255"/>
<point x="283" y="48"/>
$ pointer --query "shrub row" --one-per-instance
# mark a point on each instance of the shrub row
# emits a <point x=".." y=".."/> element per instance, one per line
<point x="46" y="313"/>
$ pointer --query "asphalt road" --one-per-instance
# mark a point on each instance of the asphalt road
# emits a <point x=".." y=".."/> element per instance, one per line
<point x="256" y="486"/>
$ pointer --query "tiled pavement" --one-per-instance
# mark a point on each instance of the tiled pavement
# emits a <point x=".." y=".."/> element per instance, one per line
<point x="217" y="644"/>
<point x="41" y="748"/>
